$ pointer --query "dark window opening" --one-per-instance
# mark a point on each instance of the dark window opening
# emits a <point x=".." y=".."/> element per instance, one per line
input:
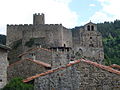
<point x="92" y="28"/>
<point x="0" y="80"/>
<point x="63" y="49"/>
<point x="91" y="45"/>
<point x="88" y="27"/>
<point x="64" y="45"/>
<point x="90" y="37"/>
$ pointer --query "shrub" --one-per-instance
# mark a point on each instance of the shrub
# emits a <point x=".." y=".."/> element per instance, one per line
<point x="17" y="84"/>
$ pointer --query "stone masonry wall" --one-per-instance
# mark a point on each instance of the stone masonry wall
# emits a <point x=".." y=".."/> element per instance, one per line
<point x="3" y="68"/>
<point x="67" y="37"/>
<point x="89" y="42"/>
<point x="93" y="78"/>
<point x="52" y="34"/>
<point x="62" y="80"/>
<point x="14" y="33"/>
<point x="40" y="55"/>
<point x="80" y="76"/>
<point x="24" y="69"/>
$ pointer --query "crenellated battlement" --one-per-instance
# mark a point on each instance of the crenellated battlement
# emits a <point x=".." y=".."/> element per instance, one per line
<point x="16" y="25"/>
<point x="38" y="18"/>
<point x="38" y="14"/>
<point x="19" y="24"/>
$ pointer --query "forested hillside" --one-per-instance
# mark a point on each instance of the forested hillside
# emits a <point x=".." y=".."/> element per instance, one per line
<point x="2" y="39"/>
<point x="111" y="40"/>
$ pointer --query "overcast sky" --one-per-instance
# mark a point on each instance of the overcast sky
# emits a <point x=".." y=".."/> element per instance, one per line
<point x="70" y="13"/>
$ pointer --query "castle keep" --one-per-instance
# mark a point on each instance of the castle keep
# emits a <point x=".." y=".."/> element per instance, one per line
<point x="86" y="41"/>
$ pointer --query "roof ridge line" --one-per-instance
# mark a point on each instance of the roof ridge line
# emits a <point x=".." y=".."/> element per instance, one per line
<point x="70" y="64"/>
<point x="50" y="71"/>
<point x="107" y="68"/>
<point x="33" y="49"/>
<point x="39" y="62"/>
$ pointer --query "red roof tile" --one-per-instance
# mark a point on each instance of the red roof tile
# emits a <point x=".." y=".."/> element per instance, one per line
<point x="70" y="64"/>
<point x="101" y="66"/>
<point x="115" y="66"/>
<point x="34" y="61"/>
<point x="40" y="63"/>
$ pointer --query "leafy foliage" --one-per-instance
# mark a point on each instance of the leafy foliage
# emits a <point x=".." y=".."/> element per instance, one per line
<point x="111" y="41"/>
<point x="17" y="84"/>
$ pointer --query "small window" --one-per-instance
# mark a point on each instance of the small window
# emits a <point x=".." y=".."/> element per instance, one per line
<point x="92" y="28"/>
<point x="90" y="37"/>
<point x="91" y="45"/>
<point x="88" y="27"/>
<point x="0" y="80"/>
<point x="64" y="45"/>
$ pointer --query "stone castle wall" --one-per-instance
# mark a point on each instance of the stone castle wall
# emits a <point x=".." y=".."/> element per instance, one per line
<point x="67" y="38"/>
<point x="86" y="39"/>
<point x="55" y="35"/>
<point x="14" y="33"/>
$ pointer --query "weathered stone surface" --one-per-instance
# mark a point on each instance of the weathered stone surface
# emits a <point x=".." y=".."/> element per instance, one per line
<point x="24" y="69"/>
<point x="3" y="67"/>
<point x="86" y="41"/>
<point x="80" y="76"/>
<point x="93" y="78"/>
<point x="62" y="80"/>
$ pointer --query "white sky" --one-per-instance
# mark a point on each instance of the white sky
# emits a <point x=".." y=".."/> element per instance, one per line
<point x="21" y="12"/>
<point x="110" y="11"/>
<point x="56" y="12"/>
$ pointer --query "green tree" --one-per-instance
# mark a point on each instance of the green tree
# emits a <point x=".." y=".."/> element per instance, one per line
<point x="17" y="84"/>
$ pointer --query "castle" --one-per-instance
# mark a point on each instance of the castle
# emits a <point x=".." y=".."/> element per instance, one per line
<point x="52" y="57"/>
<point x="86" y="41"/>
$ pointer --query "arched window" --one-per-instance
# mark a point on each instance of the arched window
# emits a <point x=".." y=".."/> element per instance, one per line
<point x="88" y="27"/>
<point x="92" y="28"/>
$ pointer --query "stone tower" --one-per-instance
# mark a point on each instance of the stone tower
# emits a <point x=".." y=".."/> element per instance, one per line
<point x="91" y="42"/>
<point x="88" y="42"/>
<point x="38" y="19"/>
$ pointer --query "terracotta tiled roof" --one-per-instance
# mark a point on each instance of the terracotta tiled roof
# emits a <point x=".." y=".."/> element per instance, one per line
<point x="50" y="71"/>
<point x="34" y="61"/>
<point x="115" y="66"/>
<point x="101" y="66"/>
<point x="70" y="64"/>
<point x="40" y="63"/>
<point x="34" y="49"/>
